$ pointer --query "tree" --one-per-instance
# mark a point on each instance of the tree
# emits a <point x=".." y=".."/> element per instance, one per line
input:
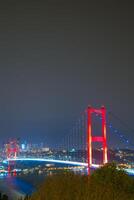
<point x="5" y="197"/>
<point x="106" y="183"/>
<point x="108" y="180"/>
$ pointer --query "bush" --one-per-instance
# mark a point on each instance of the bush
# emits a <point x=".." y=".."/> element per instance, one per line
<point x="106" y="183"/>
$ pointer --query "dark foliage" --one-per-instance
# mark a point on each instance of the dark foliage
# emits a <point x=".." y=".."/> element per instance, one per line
<point x="106" y="183"/>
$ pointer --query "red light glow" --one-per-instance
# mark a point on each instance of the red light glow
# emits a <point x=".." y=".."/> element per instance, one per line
<point x="91" y="138"/>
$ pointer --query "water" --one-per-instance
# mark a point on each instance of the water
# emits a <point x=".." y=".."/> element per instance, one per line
<point x="15" y="187"/>
<point x="24" y="184"/>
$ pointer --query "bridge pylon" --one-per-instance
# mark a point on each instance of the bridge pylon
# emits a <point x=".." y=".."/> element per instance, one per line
<point x="90" y="139"/>
<point x="12" y="149"/>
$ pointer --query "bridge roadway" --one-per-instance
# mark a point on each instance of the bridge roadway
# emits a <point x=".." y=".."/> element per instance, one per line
<point x="129" y="171"/>
<point x="51" y="161"/>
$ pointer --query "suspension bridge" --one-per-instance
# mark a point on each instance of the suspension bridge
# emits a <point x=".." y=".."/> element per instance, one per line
<point x="79" y="143"/>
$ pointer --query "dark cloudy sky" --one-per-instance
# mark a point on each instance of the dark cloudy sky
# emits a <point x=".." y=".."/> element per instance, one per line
<point x="58" y="56"/>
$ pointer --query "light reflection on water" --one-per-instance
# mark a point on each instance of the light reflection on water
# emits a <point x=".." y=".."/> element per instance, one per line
<point x="14" y="187"/>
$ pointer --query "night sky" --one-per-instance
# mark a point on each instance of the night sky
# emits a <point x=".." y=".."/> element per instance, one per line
<point x="58" y="56"/>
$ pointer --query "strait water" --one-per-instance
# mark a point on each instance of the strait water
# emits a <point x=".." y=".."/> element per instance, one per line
<point x="15" y="187"/>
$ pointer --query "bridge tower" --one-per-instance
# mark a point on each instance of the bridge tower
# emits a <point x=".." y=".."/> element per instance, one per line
<point x="12" y="149"/>
<point x="90" y="139"/>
